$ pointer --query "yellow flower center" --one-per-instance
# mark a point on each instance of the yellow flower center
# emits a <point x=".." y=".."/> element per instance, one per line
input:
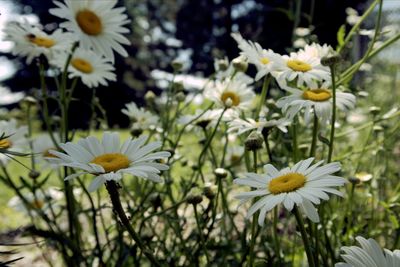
<point x="112" y="162"/>
<point x="318" y="95"/>
<point x="298" y="65"/>
<point x="37" y="204"/>
<point x="232" y="96"/>
<point x="89" y="22"/>
<point x="286" y="183"/>
<point x="5" y="143"/>
<point x="40" y="41"/>
<point x="82" y="65"/>
<point x="47" y="153"/>
<point x="264" y="60"/>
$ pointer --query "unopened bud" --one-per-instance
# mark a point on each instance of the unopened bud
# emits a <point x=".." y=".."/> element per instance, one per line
<point x="223" y="64"/>
<point x="178" y="86"/>
<point x="177" y="65"/>
<point x="377" y="128"/>
<point x="354" y="180"/>
<point x="240" y="64"/>
<point x="330" y="60"/>
<point x="34" y="174"/>
<point x="209" y="190"/>
<point x="180" y="97"/>
<point x="374" y="110"/>
<point x="194" y="197"/>
<point x="135" y="132"/>
<point x="254" y="141"/>
<point x="228" y="102"/>
<point x="150" y="97"/>
<point x="221" y="173"/>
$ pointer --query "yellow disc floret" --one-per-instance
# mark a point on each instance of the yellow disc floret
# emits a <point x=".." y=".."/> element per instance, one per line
<point x="40" y="41"/>
<point x="82" y="65"/>
<point x="298" y="65"/>
<point x="112" y="162"/>
<point x="89" y="22"/>
<point x="318" y="95"/>
<point x="232" y="96"/>
<point x="264" y="60"/>
<point x="5" y="143"/>
<point x="286" y="183"/>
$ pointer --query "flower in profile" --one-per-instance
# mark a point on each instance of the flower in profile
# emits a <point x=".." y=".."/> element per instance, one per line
<point x="231" y="93"/>
<point x="108" y="160"/>
<point x="12" y="139"/>
<point x="301" y="185"/>
<point x="31" y="42"/>
<point x="369" y="254"/>
<point x="93" y="69"/>
<point x="315" y="100"/>
<point x="140" y="118"/>
<point x="266" y="61"/>
<point x="303" y="68"/>
<point x="98" y="25"/>
<point x="41" y="147"/>
<point x="40" y="200"/>
<point x="241" y="126"/>
<point x="201" y="118"/>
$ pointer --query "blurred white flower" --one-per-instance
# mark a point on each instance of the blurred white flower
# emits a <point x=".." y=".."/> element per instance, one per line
<point x="15" y="140"/>
<point x="140" y="117"/>
<point x="41" y="146"/>
<point x="7" y="97"/>
<point x="241" y="126"/>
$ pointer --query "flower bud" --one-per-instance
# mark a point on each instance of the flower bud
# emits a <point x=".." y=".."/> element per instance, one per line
<point x="177" y="65"/>
<point x="254" y="141"/>
<point x="240" y="64"/>
<point x="178" y="86"/>
<point x="223" y="64"/>
<point x="209" y="190"/>
<point x="34" y="174"/>
<point x="150" y="97"/>
<point x="221" y="173"/>
<point x="194" y="197"/>
<point x="354" y="180"/>
<point x="374" y="110"/>
<point x="330" y="60"/>
<point x="136" y="132"/>
<point x="180" y="97"/>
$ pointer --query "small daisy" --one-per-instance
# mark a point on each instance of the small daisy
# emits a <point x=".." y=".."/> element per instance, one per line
<point x="303" y="69"/>
<point x="315" y="50"/>
<point x="318" y="100"/>
<point x="141" y="118"/>
<point x="15" y="140"/>
<point x="302" y="184"/>
<point x="38" y="201"/>
<point x="96" y="24"/>
<point x="31" y="42"/>
<point x="369" y="254"/>
<point x="93" y="69"/>
<point x="241" y="126"/>
<point x="41" y="146"/>
<point x="266" y="61"/>
<point x="108" y="160"/>
<point x="231" y="94"/>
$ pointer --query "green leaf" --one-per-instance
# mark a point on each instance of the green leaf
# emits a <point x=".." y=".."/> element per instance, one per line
<point x="323" y="139"/>
<point x="340" y="35"/>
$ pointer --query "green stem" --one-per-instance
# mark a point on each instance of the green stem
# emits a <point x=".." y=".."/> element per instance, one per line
<point x="254" y="221"/>
<point x="112" y="189"/>
<point x="276" y="237"/>
<point x="333" y="119"/>
<point x="303" y="233"/>
<point x="314" y="136"/>
<point x="203" y="243"/>
<point x="264" y="93"/>
<point x="294" y="141"/>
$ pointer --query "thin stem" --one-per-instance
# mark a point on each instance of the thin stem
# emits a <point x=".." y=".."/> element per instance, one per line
<point x="112" y="189"/>
<point x="254" y="221"/>
<point x="203" y="243"/>
<point x="333" y="119"/>
<point x="276" y="237"/>
<point x="264" y="93"/>
<point x="314" y="136"/>
<point x="303" y="233"/>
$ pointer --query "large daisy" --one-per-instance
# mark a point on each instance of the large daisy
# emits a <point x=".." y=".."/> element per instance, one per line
<point x="315" y="100"/>
<point x="108" y="160"/>
<point x="93" y="69"/>
<point x="266" y="61"/>
<point x="96" y="24"/>
<point x="303" y="68"/>
<point x="231" y="93"/>
<point x="369" y="254"/>
<point x="303" y="185"/>
<point x="30" y="41"/>
<point x="13" y="138"/>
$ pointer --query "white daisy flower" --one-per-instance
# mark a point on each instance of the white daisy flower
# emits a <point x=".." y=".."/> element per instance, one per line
<point x="241" y="126"/>
<point x="303" y="69"/>
<point x="369" y="254"/>
<point x="93" y="69"/>
<point x="266" y="61"/>
<point x="315" y="50"/>
<point x="31" y="42"/>
<point x="38" y="201"/>
<point x="41" y="147"/>
<point x="15" y="140"/>
<point x="231" y="94"/>
<point x="141" y="118"/>
<point x="98" y="25"/>
<point x="108" y="160"/>
<point x="315" y="100"/>
<point x="302" y="184"/>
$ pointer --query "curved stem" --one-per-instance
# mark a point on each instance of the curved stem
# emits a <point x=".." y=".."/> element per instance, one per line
<point x="303" y="233"/>
<point x="332" y="136"/>
<point x="112" y="189"/>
